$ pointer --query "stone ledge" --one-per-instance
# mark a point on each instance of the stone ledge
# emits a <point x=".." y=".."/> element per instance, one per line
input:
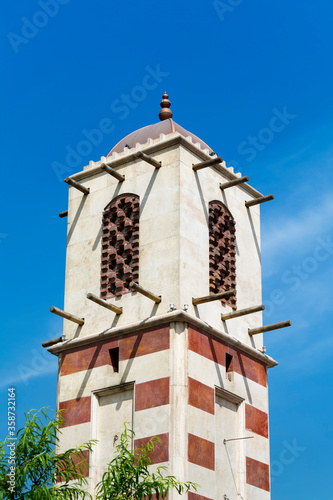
<point x="172" y="317"/>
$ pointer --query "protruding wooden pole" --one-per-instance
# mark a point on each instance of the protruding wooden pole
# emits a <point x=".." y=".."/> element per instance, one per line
<point x="66" y="315"/>
<point x="113" y="172"/>
<point x="262" y="199"/>
<point x="51" y="342"/>
<point x="213" y="296"/>
<point x="146" y="293"/>
<point x="77" y="185"/>
<point x="207" y="163"/>
<point x="63" y="214"/>
<point x="103" y="303"/>
<point x="268" y="328"/>
<point x="242" y="312"/>
<point x="148" y="159"/>
<point x="227" y="185"/>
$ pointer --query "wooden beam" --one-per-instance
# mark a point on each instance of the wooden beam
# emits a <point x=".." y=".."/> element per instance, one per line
<point x="262" y="199"/>
<point x="66" y="315"/>
<point x="146" y="293"/>
<point x="207" y="163"/>
<point x="268" y="328"/>
<point x="103" y="303"/>
<point x="51" y="342"/>
<point x="148" y="159"/>
<point x="63" y="214"/>
<point x="112" y="172"/>
<point x="235" y="182"/>
<point x="213" y="296"/>
<point x="77" y="185"/>
<point x="242" y="312"/>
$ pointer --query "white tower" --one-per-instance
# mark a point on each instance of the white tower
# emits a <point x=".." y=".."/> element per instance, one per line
<point x="174" y="353"/>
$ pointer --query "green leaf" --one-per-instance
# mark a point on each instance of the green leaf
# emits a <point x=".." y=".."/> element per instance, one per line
<point x="38" y="464"/>
<point x="128" y="476"/>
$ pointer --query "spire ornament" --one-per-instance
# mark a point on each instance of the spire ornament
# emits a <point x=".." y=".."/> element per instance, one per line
<point x="165" y="104"/>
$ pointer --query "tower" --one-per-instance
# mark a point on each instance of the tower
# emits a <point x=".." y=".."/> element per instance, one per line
<point x="163" y="323"/>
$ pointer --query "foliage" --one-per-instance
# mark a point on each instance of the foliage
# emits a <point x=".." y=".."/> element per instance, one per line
<point x="128" y="476"/>
<point x="38" y="468"/>
<point x="43" y="474"/>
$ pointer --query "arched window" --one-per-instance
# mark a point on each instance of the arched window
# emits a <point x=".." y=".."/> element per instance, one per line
<point x="222" y="251"/>
<point x="120" y="246"/>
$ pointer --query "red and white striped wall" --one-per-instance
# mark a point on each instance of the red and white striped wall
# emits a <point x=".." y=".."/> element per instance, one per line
<point x="182" y="393"/>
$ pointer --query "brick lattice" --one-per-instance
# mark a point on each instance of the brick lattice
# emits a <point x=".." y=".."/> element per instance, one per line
<point x="120" y="246"/>
<point x="222" y="251"/>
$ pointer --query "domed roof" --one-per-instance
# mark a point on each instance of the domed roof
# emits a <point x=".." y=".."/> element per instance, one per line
<point x="166" y="126"/>
<point x="153" y="131"/>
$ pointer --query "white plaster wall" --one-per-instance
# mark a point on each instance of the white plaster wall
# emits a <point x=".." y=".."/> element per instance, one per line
<point x="74" y="436"/>
<point x="111" y="411"/>
<point x="229" y="457"/>
<point x="201" y="423"/>
<point x="205" y="478"/>
<point x="197" y="190"/>
<point x="174" y="251"/>
<point x="152" y="422"/>
<point x="159" y="243"/>
<point x="257" y="448"/>
<point x="256" y="493"/>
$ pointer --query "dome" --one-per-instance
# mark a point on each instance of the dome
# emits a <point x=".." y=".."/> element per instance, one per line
<point x="165" y="126"/>
<point x="141" y="135"/>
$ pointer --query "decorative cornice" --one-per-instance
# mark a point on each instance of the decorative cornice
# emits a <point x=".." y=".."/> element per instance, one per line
<point x="171" y="140"/>
<point x="172" y="317"/>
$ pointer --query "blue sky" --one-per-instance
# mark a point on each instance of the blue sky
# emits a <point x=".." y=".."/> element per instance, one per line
<point x="230" y="68"/>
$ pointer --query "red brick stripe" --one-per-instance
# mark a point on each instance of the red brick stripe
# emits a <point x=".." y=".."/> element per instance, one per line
<point x="257" y="474"/>
<point x="201" y="452"/>
<point x="215" y="349"/>
<point x="76" y="411"/>
<point x="145" y="342"/>
<point x="130" y="346"/>
<point x="152" y="394"/>
<point x="86" y="357"/>
<point x="83" y="461"/>
<point x="161" y="450"/>
<point x="194" y="496"/>
<point x="200" y="396"/>
<point x="256" y="420"/>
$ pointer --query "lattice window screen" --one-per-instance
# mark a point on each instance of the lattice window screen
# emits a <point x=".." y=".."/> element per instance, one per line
<point x="222" y="251"/>
<point x="120" y="246"/>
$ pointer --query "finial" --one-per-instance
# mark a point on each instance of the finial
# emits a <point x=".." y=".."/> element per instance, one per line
<point x="165" y="104"/>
